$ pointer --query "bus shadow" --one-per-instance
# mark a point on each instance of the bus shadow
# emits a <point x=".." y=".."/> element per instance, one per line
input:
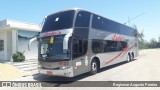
<point x="57" y="81"/>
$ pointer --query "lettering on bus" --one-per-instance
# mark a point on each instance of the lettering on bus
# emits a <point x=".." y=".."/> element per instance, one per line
<point x="118" y="38"/>
<point x="52" y="33"/>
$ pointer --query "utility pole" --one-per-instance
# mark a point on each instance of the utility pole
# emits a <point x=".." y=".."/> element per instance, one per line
<point x="129" y="21"/>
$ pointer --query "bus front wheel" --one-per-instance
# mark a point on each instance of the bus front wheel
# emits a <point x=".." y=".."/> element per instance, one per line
<point x="94" y="67"/>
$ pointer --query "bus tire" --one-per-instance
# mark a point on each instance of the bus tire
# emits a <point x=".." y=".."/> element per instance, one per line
<point x="94" y="67"/>
<point x="132" y="56"/>
<point x="128" y="57"/>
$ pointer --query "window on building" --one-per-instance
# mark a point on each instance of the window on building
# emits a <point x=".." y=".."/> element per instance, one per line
<point x="1" y="45"/>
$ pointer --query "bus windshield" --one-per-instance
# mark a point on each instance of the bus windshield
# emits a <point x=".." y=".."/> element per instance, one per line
<point x="54" y="51"/>
<point x="61" y="20"/>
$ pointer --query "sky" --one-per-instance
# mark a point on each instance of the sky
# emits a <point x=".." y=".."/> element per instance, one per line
<point x="34" y="11"/>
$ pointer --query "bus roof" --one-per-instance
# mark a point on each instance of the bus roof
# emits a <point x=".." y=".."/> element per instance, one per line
<point x="80" y="9"/>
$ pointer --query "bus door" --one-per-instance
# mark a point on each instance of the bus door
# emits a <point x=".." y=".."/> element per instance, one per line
<point x="80" y="65"/>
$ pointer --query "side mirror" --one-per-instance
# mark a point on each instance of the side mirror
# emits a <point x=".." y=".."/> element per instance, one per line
<point x="30" y="42"/>
<point x="66" y="40"/>
<point x="38" y="39"/>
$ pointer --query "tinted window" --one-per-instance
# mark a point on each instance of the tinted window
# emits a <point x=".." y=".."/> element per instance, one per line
<point x="54" y="50"/>
<point x="82" y="19"/>
<point x="79" y="47"/>
<point x="105" y="24"/>
<point x="96" y="46"/>
<point x="81" y="33"/>
<point x="127" y="31"/>
<point x="101" y="23"/>
<point x="97" y="22"/>
<point x="102" y="46"/>
<point x="58" y="21"/>
<point x="124" y="45"/>
<point x="112" y="46"/>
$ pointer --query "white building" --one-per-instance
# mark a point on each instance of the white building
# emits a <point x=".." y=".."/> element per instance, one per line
<point x="14" y="36"/>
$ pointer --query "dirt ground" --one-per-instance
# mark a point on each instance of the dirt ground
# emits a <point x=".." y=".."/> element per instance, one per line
<point x="9" y="72"/>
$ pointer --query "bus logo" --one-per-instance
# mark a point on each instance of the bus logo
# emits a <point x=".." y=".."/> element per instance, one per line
<point x="52" y="33"/>
<point x="118" y="38"/>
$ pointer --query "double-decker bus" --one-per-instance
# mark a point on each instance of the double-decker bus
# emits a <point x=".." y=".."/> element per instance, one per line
<point x="76" y="41"/>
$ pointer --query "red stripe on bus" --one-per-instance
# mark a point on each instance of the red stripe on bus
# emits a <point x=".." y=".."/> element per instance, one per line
<point x="128" y="50"/>
<point x="124" y="51"/>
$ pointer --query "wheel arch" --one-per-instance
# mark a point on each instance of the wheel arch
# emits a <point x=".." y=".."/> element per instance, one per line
<point x="97" y="60"/>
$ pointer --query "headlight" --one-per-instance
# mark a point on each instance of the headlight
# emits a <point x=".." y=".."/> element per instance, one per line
<point x="39" y="65"/>
<point x="64" y="67"/>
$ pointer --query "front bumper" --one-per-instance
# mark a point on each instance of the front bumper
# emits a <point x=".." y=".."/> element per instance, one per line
<point x="57" y="72"/>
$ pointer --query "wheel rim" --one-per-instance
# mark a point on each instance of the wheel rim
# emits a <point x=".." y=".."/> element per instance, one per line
<point x="94" y="66"/>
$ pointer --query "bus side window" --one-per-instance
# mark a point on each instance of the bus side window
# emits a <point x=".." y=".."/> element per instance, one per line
<point x="113" y="46"/>
<point x="110" y="46"/>
<point x="96" y="46"/>
<point x="124" y="45"/>
<point x="79" y="48"/>
<point x="119" y="46"/>
<point x="82" y="19"/>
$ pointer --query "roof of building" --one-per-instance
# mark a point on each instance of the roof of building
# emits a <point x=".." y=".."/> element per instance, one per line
<point x="18" y="25"/>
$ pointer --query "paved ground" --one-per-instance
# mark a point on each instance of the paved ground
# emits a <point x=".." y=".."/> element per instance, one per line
<point x="15" y="70"/>
<point x="145" y="68"/>
<point x="9" y="72"/>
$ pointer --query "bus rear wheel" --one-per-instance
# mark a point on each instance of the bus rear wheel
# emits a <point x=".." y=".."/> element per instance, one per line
<point x="132" y="56"/>
<point x="94" y="67"/>
<point x="128" y="58"/>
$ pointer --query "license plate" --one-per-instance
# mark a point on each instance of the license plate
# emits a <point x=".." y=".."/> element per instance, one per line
<point x="49" y="73"/>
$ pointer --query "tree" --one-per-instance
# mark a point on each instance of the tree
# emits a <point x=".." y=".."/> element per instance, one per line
<point x="153" y="43"/>
<point x="158" y="44"/>
<point x="143" y="44"/>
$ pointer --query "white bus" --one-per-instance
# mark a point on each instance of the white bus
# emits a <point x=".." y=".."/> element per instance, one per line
<point x="76" y="41"/>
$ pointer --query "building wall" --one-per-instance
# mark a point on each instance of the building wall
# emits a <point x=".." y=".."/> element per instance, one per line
<point x="3" y="53"/>
<point x="15" y="36"/>
<point x="9" y="45"/>
<point x="17" y="40"/>
<point x="23" y="40"/>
